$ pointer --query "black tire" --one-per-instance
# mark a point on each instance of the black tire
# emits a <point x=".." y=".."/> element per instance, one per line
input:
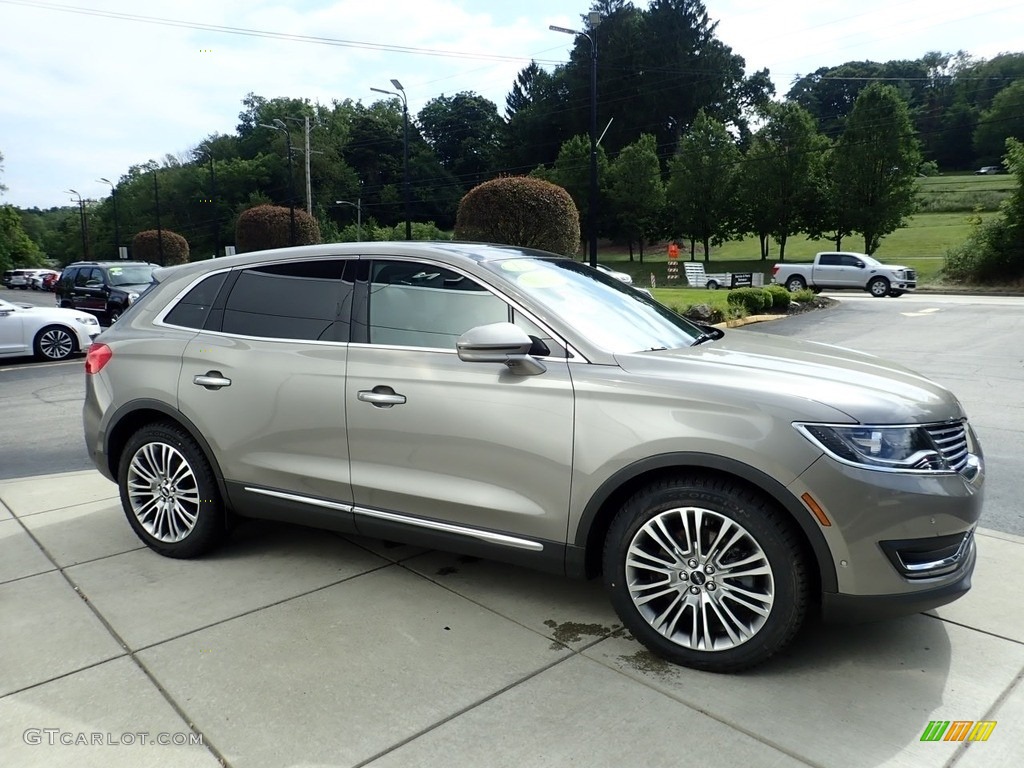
<point x="878" y="287"/>
<point x="113" y="314"/>
<point x="182" y="518"/>
<point x="712" y="285"/>
<point x="896" y="294"/>
<point x="695" y="581"/>
<point x="795" y="283"/>
<point x="55" y="343"/>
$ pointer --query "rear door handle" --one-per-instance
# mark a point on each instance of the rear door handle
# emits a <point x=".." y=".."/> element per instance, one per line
<point x="382" y="397"/>
<point x="211" y="380"/>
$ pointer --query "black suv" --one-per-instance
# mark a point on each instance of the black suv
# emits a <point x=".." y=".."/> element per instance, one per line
<point x="104" y="288"/>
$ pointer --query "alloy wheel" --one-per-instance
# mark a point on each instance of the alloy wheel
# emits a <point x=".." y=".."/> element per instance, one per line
<point x="163" y="492"/>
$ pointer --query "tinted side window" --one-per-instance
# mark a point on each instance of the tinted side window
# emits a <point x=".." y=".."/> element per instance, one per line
<point x="297" y="300"/>
<point x="422" y="305"/>
<point x="829" y="260"/>
<point x="850" y="261"/>
<point x="81" y="276"/>
<point x="194" y="307"/>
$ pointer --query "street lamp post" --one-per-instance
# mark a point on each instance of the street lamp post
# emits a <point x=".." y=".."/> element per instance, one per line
<point x="279" y="125"/>
<point x="82" y="223"/>
<point x="213" y="202"/>
<point x="159" y="230"/>
<point x="594" y="19"/>
<point x="117" y="225"/>
<point x="400" y="92"/>
<point x="358" y="205"/>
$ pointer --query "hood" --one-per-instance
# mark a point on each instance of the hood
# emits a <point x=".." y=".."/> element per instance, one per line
<point x="866" y="388"/>
<point x="132" y="287"/>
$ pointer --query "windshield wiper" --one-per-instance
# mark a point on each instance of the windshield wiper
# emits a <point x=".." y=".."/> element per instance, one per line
<point x="708" y="334"/>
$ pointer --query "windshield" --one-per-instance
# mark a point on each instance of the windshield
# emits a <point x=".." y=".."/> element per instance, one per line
<point x="609" y="313"/>
<point x="139" y="275"/>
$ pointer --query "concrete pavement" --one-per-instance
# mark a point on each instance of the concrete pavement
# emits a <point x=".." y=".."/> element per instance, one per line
<point x="294" y="647"/>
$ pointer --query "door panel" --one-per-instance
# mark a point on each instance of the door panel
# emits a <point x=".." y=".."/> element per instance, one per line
<point x="472" y="444"/>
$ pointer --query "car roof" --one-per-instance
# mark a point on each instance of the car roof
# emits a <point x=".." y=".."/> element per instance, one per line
<point x="453" y="251"/>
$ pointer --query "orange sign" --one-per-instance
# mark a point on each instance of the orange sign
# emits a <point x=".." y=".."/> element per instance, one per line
<point x="673" y="251"/>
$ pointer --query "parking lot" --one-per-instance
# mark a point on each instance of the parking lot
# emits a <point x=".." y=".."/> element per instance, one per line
<point x="293" y="647"/>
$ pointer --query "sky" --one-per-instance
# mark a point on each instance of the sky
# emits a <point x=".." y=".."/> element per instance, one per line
<point x="89" y="88"/>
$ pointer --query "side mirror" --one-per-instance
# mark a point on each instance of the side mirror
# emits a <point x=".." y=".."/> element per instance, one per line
<point x="499" y="343"/>
<point x="860" y="264"/>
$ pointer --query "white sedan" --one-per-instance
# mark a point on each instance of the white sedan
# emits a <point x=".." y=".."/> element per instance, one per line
<point x="49" y="333"/>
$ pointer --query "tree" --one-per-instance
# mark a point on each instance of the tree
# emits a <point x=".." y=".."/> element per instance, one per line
<point x="703" y="183"/>
<point x="636" y="191"/>
<point x="787" y="171"/>
<point x="16" y="248"/>
<point x="465" y="133"/>
<point x="1005" y="119"/>
<point x="162" y="247"/>
<point x="571" y="171"/>
<point x="269" y="226"/>
<point x="520" y="210"/>
<point x="876" y="165"/>
<point x="2" y="187"/>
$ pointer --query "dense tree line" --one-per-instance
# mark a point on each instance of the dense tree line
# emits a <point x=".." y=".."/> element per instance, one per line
<point x="692" y="148"/>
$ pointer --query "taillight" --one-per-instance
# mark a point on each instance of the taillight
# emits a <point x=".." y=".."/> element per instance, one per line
<point x="775" y="269"/>
<point x="97" y="357"/>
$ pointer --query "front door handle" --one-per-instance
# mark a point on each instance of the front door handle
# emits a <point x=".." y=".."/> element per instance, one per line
<point x="211" y="380"/>
<point x="381" y="397"/>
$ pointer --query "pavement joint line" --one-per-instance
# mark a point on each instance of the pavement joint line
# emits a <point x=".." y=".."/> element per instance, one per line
<point x="997" y="636"/>
<point x="989" y="714"/>
<point x="468" y="708"/>
<point x="127" y="652"/>
<point x="53" y="509"/>
<point x="499" y="614"/>
<point x="644" y="681"/>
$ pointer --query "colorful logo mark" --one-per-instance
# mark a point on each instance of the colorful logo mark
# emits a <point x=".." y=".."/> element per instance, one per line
<point x="958" y="730"/>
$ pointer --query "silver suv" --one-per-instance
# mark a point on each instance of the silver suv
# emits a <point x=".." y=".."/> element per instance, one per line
<point x="512" y="404"/>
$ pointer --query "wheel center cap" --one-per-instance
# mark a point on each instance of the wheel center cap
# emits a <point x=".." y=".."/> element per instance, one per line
<point x="698" y="578"/>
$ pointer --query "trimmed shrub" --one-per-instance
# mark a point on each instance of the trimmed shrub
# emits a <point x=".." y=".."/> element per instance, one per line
<point x="804" y="296"/>
<point x="753" y="300"/>
<point x="780" y="297"/>
<point x="520" y="210"/>
<point x="264" y="227"/>
<point x="147" y="245"/>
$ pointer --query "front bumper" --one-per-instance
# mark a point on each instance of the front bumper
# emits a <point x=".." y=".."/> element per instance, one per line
<point x="900" y="543"/>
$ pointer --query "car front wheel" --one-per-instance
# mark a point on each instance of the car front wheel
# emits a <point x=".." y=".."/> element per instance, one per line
<point x="54" y="343"/>
<point x="878" y="287"/>
<point x="169" y="493"/>
<point x="706" y="573"/>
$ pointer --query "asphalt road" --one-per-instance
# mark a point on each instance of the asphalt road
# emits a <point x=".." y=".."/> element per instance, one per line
<point x="973" y="345"/>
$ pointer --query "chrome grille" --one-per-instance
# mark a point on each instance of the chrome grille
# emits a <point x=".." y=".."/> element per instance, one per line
<point x="951" y="439"/>
<point x="911" y="274"/>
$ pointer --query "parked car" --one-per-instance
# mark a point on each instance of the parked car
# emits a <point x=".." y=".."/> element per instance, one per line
<point x="104" y="288"/>
<point x="623" y="277"/>
<point x="49" y="281"/>
<point x="989" y="170"/>
<point x="18" y="278"/>
<point x="49" y="333"/>
<point x="38" y="276"/>
<point x="846" y="269"/>
<point x="509" y="403"/>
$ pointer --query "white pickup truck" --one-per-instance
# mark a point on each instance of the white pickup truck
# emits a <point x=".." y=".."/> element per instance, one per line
<point x="845" y="269"/>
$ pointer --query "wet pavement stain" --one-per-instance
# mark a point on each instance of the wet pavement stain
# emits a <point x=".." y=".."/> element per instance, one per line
<point x="468" y="559"/>
<point x="572" y="631"/>
<point x="447" y="570"/>
<point x="645" y="661"/>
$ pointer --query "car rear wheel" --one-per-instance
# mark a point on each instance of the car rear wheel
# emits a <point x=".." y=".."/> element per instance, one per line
<point x="169" y="493"/>
<point x="706" y="573"/>
<point x="795" y="284"/>
<point x="878" y="287"/>
<point x="113" y="315"/>
<point x="54" y="342"/>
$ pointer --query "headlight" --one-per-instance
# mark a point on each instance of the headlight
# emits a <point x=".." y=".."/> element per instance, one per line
<point x="132" y="297"/>
<point x="896" y="449"/>
<point x="87" y="320"/>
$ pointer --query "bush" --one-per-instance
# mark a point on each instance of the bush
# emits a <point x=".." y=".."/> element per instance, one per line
<point x="753" y="300"/>
<point x="520" y="210"/>
<point x="804" y="296"/>
<point x="269" y="226"/>
<point x="148" y="244"/>
<point x="780" y="297"/>
<point x="700" y="313"/>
